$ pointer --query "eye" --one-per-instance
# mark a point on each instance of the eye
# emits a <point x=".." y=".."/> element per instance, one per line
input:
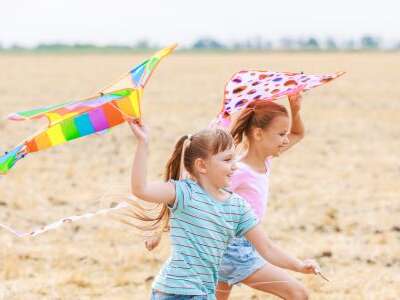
<point x="228" y="158"/>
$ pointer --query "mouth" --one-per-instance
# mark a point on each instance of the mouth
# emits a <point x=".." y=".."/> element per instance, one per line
<point x="279" y="151"/>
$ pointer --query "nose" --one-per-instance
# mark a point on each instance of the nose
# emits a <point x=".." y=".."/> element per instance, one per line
<point x="234" y="165"/>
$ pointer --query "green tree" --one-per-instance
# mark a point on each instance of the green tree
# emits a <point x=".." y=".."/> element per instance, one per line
<point x="331" y="44"/>
<point x="370" y="42"/>
<point x="207" y="43"/>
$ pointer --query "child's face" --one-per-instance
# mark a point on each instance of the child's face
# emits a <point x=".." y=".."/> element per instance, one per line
<point x="220" y="168"/>
<point x="274" y="138"/>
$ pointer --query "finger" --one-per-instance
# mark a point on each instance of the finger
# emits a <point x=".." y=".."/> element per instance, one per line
<point x="138" y="125"/>
<point x="134" y="127"/>
<point x="128" y="118"/>
<point x="309" y="263"/>
<point x="316" y="266"/>
<point x="139" y="122"/>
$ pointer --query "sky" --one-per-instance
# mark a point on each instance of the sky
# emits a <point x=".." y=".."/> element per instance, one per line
<point x="29" y="22"/>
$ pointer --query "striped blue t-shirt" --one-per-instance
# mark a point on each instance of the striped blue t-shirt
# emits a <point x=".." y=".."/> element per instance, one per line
<point x="201" y="228"/>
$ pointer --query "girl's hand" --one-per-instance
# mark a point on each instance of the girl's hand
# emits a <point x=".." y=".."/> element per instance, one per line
<point x="309" y="266"/>
<point x="139" y="130"/>
<point x="295" y="102"/>
<point x="152" y="242"/>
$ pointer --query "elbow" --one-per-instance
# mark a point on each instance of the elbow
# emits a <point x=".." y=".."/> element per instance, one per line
<point x="269" y="245"/>
<point x="297" y="137"/>
<point x="137" y="191"/>
<point x="301" y="135"/>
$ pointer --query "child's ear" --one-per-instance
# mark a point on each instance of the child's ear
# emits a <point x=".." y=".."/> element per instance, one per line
<point x="200" y="165"/>
<point x="257" y="134"/>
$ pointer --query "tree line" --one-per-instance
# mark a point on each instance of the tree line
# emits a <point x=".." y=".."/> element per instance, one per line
<point x="366" y="42"/>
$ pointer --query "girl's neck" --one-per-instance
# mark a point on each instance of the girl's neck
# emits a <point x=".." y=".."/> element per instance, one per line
<point x="255" y="159"/>
<point x="215" y="192"/>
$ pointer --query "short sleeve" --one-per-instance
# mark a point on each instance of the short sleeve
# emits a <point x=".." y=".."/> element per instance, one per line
<point x="247" y="219"/>
<point x="182" y="192"/>
<point x="245" y="186"/>
<point x="238" y="179"/>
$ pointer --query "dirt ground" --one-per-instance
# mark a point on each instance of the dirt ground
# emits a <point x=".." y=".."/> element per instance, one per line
<point x="334" y="197"/>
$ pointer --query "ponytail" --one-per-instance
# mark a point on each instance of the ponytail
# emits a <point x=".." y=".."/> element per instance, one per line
<point x="175" y="164"/>
<point x="243" y="124"/>
<point x="258" y="114"/>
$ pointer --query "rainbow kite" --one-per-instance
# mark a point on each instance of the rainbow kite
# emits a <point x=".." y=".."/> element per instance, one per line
<point x="72" y="120"/>
<point x="246" y="86"/>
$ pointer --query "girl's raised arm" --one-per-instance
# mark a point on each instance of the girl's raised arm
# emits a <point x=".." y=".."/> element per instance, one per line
<point x="296" y="133"/>
<point x="157" y="192"/>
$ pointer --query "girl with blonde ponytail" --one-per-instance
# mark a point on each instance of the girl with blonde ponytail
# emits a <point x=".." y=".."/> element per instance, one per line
<point x="202" y="215"/>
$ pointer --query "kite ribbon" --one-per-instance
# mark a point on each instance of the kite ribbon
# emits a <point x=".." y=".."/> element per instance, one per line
<point x="63" y="221"/>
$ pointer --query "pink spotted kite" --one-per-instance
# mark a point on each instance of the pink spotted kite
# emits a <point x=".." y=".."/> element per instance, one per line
<point x="246" y="86"/>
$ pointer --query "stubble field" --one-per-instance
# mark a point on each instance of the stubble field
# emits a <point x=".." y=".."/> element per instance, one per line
<point x="334" y="197"/>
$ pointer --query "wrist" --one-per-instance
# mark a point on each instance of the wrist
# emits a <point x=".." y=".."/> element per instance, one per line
<point x="298" y="266"/>
<point x="143" y="142"/>
<point x="295" y="112"/>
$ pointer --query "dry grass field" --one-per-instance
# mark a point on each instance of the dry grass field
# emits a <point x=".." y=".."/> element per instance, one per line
<point x="334" y="197"/>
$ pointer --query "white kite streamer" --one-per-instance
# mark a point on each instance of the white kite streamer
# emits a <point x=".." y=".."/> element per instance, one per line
<point x="63" y="221"/>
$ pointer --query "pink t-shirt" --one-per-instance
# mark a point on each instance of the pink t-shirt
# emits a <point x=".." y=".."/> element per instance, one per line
<point x="252" y="186"/>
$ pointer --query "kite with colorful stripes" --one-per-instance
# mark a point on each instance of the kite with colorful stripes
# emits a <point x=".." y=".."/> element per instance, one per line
<point x="76" y="119"/>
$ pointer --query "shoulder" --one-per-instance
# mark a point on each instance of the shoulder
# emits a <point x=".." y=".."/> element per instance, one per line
<point x="183" y="193"/>
<point x="186" y="184"/>
<point x="241" y="174"/>
<point x="236" y="201"/>
<point x="244" y="218"/>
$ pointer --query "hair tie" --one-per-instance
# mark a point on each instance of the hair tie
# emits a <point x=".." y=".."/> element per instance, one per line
<point x="251" y="108"/>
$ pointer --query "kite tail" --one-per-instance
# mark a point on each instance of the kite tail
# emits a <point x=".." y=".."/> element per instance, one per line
<point x="8" y="160"/>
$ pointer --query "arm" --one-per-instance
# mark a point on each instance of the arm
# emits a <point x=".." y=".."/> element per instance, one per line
<point x="275" y="255"/>
<point x="297" y="130"/>
<point x="157" y="192"/>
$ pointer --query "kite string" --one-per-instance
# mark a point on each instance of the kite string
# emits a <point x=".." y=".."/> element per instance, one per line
<point x="63" y="221"/>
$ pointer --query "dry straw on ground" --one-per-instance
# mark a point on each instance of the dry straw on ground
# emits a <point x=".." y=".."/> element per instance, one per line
<point x="335" y="196"/>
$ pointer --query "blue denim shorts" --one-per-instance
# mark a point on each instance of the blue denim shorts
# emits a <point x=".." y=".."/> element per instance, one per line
<point x="156" y="295"/>
<point x="239" y="261"/>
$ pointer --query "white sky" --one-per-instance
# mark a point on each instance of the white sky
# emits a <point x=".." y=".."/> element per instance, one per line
<point x="28" y="22"/>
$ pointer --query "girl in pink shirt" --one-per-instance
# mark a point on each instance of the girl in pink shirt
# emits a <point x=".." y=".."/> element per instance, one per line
<point x="264" y="126"/>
